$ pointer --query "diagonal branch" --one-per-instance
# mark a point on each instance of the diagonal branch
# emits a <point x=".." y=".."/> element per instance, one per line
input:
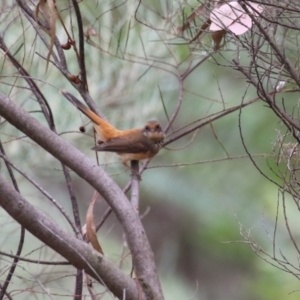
<point x="81" y="255"/>
<point x="22" y="235"/>
<point x="137" y="241"/>
<point x="84" y="86"/>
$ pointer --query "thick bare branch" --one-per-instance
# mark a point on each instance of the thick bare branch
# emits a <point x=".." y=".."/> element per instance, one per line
<point x="77" y="252"/>
<point x="137" y="241"/>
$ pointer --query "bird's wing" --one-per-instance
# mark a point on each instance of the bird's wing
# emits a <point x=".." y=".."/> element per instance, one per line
<point x="123" y="145"/>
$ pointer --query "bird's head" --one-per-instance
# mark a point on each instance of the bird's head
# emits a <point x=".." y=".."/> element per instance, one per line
<point x="153" y="131"/>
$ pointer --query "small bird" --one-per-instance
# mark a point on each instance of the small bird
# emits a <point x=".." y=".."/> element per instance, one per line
<point x="132" y="144"/>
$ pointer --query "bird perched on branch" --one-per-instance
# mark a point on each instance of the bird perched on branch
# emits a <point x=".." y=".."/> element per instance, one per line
<point x="132" y="144"/>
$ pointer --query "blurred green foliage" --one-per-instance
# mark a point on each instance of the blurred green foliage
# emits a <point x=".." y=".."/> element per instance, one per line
<point x="196" y="211"/>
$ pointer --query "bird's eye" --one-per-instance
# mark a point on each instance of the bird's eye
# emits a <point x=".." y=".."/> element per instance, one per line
<point x="157" y="127"/>
<point x="147" y="128"/>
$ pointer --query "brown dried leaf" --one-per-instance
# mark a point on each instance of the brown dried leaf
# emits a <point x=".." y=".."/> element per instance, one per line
<point x="90" y="226"/>
<point x="66" y="46"/>
<point x="74" y="78"/>
<point x="197" y="12"/>
<point x="201" y="30"/>
<point x="41" y="6"/>
<point x="48" y="9"/>
<point x="90" y="31"/>
<point x="217" y="37"/>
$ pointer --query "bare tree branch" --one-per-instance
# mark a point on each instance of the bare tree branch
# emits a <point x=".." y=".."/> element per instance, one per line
<point x="77" y="252"/>
<point x="137" y="241"/>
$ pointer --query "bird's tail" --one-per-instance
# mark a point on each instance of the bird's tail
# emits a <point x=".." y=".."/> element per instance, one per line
<point x="105" y="130"/>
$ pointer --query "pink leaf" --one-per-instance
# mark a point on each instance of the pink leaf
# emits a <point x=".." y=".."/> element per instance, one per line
<point x="225" y="15"/>
<point x="241" y="25"/>
<point x="232" y="17"/>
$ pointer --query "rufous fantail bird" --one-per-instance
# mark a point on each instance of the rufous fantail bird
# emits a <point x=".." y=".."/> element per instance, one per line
<point x="132" y="144"/>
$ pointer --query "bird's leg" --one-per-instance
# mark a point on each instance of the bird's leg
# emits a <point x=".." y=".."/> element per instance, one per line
<point x="134" y="172"/>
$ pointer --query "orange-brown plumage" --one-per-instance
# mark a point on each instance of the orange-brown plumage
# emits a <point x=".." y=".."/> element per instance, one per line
<point x="132" y="144"/>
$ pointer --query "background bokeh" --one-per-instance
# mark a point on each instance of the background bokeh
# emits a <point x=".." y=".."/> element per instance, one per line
<point x="195" y="212"/>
